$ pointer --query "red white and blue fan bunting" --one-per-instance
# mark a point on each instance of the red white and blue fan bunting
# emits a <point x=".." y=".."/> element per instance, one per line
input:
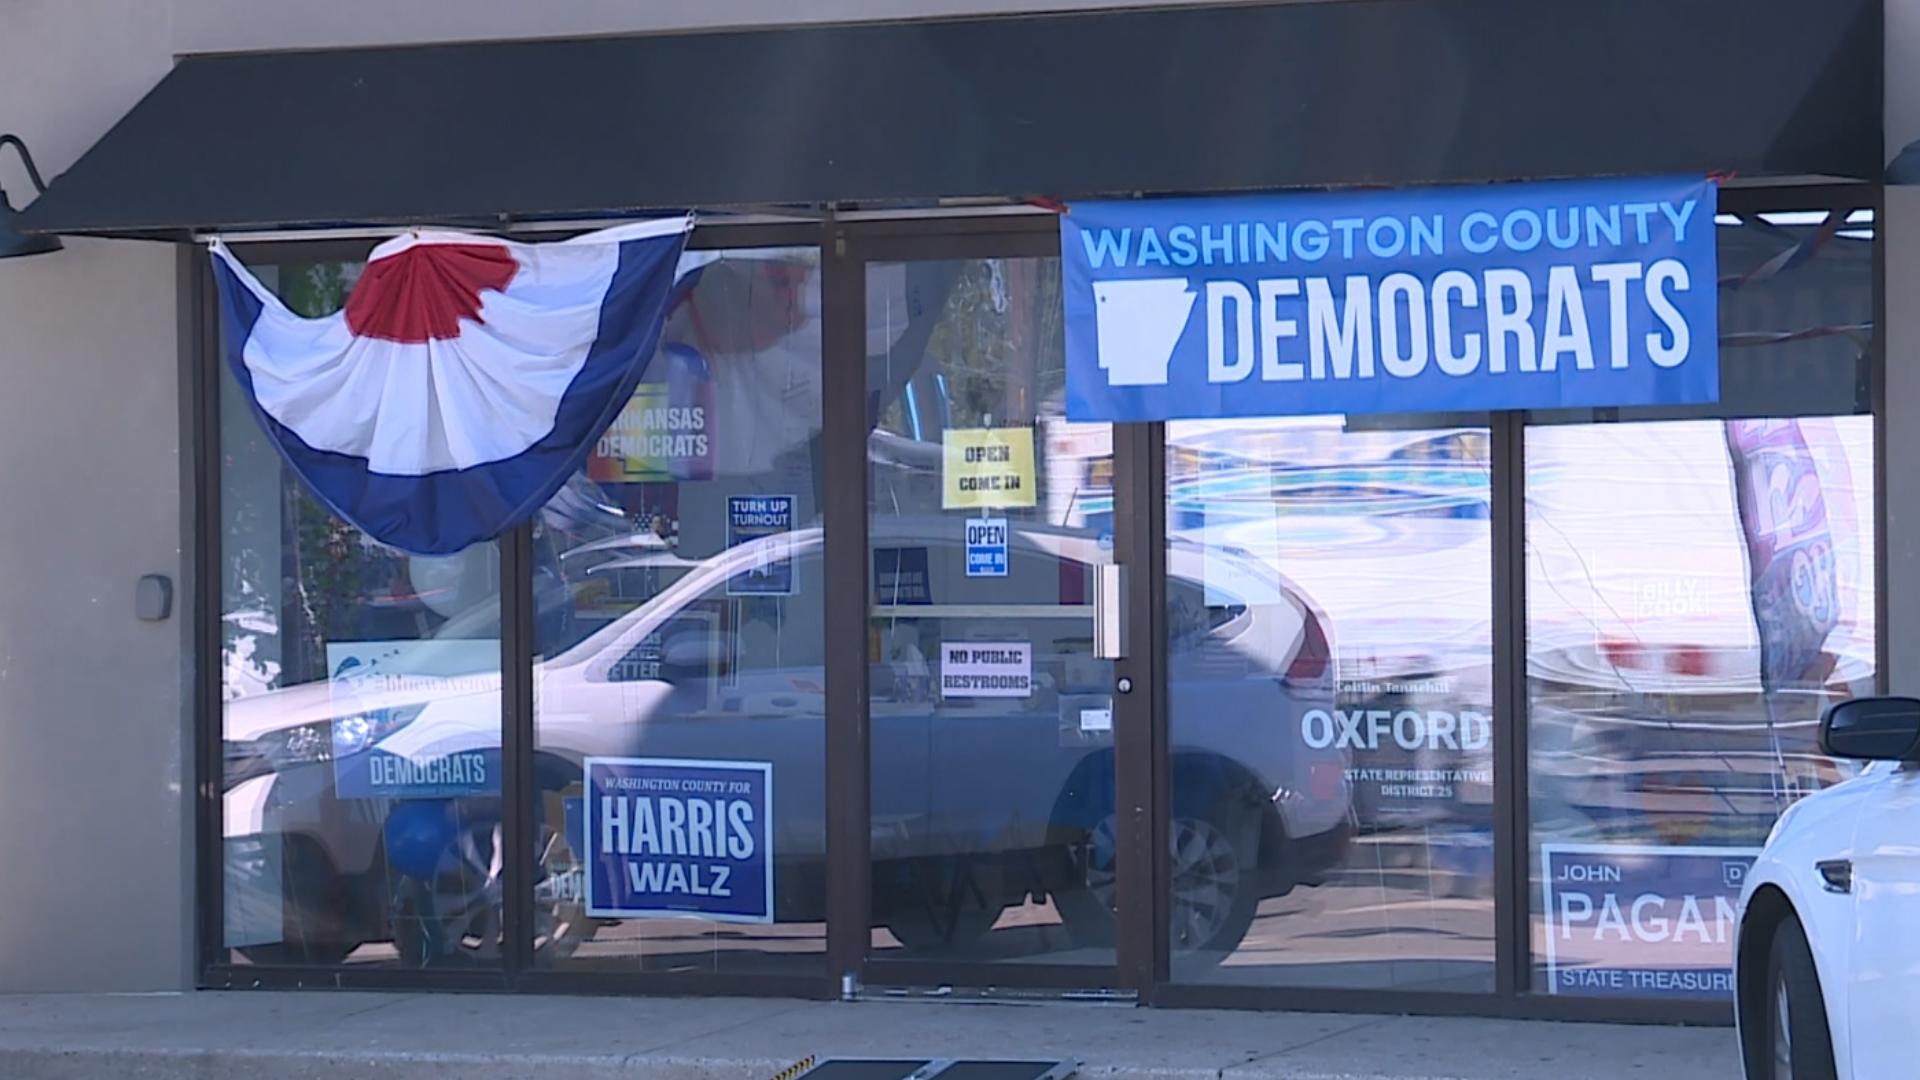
<point x="466" y="379"/>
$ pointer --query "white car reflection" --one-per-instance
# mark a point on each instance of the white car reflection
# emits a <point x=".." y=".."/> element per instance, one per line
<point x="1014" y="795"/>
<point x="1642" y="652"/>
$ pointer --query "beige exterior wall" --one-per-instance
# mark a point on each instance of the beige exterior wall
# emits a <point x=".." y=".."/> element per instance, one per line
<point x="94" y="849"/>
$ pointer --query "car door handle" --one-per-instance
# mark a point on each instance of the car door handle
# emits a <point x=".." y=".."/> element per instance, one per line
<point x="1836" y="875"/>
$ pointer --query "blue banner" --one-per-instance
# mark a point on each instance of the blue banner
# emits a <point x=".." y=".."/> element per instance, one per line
<point x="1548" y="295"/>
<point x="670" y="837"/>
<point x="1641" y="920"/>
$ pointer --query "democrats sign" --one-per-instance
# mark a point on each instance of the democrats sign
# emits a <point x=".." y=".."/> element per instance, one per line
<point x="674" y="837"/>
<point x="377" y="689"/>
<point x="1512" y="296"/>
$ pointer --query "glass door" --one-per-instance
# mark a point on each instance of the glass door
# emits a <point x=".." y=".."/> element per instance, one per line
<point x="996" y="845"/>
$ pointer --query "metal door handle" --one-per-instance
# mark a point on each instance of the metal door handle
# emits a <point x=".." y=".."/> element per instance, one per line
<point x="1110" y="612"/>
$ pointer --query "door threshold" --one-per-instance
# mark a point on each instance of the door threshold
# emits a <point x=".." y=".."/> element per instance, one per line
<point x="997" y="995"/>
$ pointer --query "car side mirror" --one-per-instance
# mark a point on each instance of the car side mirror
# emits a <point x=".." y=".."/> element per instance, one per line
<point x="1873" y="729"/>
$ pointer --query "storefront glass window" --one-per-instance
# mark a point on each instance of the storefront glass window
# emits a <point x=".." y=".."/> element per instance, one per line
<point x="1329" y="615"/>
<point x="1699" y="590"/>
<point x="1699" y="586"/>
<point x="991" y="719"/>
<point x="680" y="670"/>
<point x="361" y="718"/>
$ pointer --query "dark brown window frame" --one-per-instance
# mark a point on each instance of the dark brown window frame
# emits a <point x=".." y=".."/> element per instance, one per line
<point x="846" y="245"/>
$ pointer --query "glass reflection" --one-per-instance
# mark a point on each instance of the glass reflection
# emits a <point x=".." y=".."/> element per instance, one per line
<point x="991" y="720"/>
<point x="361" y="724"/>
<point x="678" y="587"/>
<point x="1698" y="591"/>
<point x="1330" y="614"/>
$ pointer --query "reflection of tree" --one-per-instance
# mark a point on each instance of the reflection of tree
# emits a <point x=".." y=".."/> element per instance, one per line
<point x="327" y="563"/>
<point x="1000" y="338"/>
<point x="333" y="568"/>
<point x="315" y="290"/>
<point x="250" y="584"/>
<point x="331" y="562"/>
<point x="998" y="342"/>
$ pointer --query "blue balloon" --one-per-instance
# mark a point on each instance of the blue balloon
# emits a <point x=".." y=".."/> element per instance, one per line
<point x="419" y="833"/>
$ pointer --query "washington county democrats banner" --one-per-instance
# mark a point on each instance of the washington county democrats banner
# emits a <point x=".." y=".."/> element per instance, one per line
<point x="1510" y="296"/>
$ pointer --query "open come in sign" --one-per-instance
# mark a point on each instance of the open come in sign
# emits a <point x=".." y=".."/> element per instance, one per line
<point x="985" y="468"/>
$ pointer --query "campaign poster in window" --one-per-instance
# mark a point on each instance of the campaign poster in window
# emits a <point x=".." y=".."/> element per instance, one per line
<point x="380" y="689"/>
<point x="1641" y="920"/>
<point x="763" y="523"/>
<point x="674" y="837"/>
<point x="665" y="430"/>
<point x="901" y="576"/>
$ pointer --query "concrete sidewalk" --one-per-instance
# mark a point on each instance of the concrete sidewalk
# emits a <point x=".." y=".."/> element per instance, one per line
<point x="263" y="1035"/>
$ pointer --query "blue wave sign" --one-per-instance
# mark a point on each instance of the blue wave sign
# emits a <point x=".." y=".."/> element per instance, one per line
<point x="1546" y="295"/>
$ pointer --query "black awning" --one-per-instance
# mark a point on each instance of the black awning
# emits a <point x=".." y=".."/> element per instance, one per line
<point x="1175" y="100"/>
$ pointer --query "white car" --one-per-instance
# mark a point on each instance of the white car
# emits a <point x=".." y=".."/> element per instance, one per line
<point x="1827" y="968"/>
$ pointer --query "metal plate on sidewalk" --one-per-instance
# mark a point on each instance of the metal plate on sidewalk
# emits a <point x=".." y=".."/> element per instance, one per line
<point x="929" y="1069"/>
<point x="1008" y="1070"/>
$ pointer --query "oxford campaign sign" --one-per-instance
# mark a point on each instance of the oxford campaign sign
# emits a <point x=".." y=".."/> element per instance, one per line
<point x="1544" y="295"/>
